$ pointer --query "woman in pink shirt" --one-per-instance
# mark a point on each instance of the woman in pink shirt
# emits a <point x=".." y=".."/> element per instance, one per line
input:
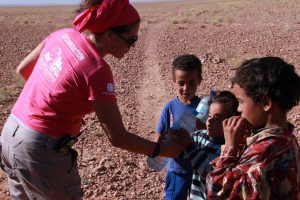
<point x="67" y="78"/>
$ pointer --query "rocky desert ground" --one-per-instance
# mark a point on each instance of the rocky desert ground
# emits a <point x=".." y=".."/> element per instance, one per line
<point x="221" y="32"/>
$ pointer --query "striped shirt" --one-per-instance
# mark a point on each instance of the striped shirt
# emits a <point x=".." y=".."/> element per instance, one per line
<point x="200" y="154"/>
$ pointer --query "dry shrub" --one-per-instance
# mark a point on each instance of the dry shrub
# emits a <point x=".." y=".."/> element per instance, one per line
<point x="152" y="20"/>
<point x="9" y="92"/>
<point x="180" y="20"/>
<point x="5" y="96"/>
<point x="218" y="20"/>
<point x="234" y="62"/>
<point x="200" y="13"/>
<point x="223" y="19"/>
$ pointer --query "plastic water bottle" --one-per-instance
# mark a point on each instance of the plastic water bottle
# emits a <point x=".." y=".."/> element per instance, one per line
<point x="158" y="163"/>
<point x="203" y="107"/>
<point x="187" y="121"/>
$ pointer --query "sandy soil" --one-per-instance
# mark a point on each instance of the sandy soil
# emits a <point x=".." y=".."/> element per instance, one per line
<point x="221" y="32"/>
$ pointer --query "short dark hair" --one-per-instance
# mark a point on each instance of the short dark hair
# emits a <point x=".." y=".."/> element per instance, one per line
<point x="228" y="100"/>
<point x="272" y="77"/>
<point x="187" y="62"/>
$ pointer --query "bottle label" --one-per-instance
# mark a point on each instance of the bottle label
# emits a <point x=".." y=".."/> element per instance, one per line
<point x="158" y="163"/>
<point x="203" y="108"/>
<point x="186" y="121"/>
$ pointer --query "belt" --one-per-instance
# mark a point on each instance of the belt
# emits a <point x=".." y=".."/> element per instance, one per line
<point x="62" y="144"/>
<point x="66" y="142"/>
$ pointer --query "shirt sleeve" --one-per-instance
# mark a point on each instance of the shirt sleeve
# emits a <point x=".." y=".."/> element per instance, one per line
<point x="164" y="121"/>
<point x="200" y="155"/>
<point x="248" y="176"/>
<point x="101" y="86"/>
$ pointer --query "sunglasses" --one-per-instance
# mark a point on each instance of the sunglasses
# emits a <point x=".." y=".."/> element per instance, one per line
<point x="129" y="41"/>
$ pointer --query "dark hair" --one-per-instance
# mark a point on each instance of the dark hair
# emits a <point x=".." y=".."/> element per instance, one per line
<point x="272" y="77"/>
<point x="125" y="28"/>
<point x="228" y="100"/>
<point x="187" y="62"/>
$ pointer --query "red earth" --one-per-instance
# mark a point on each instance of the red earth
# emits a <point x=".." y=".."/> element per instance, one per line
<point x="221" y="32"/>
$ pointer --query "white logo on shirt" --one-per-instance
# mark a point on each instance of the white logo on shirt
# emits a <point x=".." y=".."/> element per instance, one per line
<point x="110" y="87"/>
<point x="51" y="64"/>
<point x="66" y="38"/>
<point x="171" y="120"/>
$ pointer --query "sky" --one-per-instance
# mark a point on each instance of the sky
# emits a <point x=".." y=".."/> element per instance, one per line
<point x="54" y="2"/>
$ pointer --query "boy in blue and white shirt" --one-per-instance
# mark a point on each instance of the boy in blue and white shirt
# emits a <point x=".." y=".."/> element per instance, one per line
<point x="186" y="76"/>
<point x="207" y="143"/>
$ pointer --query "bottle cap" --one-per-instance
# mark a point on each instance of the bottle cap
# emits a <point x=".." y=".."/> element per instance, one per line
<point x="213" y="93"/>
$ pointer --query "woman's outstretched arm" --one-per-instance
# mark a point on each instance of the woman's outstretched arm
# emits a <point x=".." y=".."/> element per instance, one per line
<point x="111" y="121"/>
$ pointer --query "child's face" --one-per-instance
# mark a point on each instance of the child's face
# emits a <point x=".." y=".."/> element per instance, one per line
<point x="216" y="115"/>
<point x="186" y="83"/>
<point x="250" y="110"/>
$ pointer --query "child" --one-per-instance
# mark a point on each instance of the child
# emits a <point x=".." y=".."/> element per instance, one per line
<point x="186" y="76"/>
<point x="208" y="142"/>
<point x="264" y="164"/>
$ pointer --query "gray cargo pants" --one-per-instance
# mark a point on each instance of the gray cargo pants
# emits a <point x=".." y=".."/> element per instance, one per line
<point x="34" y="168"/>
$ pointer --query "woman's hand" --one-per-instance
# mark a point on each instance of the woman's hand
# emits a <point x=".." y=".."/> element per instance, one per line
<point x="236" y="129"/>
<point x="184" y="138"/>
<point x="170" y="146"/>
<point x="175" y="141"/>
<point x="110" y="118"/>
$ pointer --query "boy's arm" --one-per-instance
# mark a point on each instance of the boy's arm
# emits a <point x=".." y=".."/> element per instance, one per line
<point x="110" y="119"/>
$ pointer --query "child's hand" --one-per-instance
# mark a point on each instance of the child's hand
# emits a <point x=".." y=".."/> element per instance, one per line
<point x="235" y="130"/>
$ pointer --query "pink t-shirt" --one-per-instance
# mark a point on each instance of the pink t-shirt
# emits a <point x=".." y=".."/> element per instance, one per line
<point x="68" y="76"/>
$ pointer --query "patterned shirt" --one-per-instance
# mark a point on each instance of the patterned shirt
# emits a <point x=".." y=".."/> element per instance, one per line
<point x="267" y="167"/>
<point x="200" y="154"/>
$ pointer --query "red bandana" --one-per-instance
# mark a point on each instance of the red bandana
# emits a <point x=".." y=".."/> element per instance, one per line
<point x="110" y="13"/>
